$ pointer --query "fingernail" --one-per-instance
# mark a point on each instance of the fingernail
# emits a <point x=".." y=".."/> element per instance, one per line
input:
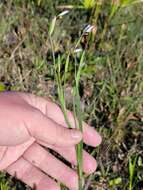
<point x="76" y="134"/>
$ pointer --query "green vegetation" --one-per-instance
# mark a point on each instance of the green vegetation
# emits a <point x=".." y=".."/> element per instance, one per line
<point x="132" y="166"/>
<point x="49" y="54"/>
<point x="76" y="107"/>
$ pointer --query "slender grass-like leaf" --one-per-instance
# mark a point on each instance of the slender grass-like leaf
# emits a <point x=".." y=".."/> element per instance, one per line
<point x="52" y="26"/>
<point x="78" y="114"/>
<point x="132" y="164"/>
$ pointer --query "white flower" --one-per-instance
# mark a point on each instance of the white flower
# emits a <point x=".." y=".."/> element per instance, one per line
<point x="78" y="50"/>
<point x="88" y="29"/>
<point x="63" y="13"/>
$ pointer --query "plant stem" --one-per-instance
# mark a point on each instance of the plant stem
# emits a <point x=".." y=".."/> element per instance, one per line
<point x="78" y="123"/>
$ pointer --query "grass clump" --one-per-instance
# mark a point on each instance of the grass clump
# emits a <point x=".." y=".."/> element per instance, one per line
<point x="76" y="98"/>
<point x="77" y="112"/>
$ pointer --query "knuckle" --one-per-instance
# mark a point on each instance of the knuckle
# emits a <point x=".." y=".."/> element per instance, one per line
<point x="60" y="135"/>
<point x="64" y="133"/>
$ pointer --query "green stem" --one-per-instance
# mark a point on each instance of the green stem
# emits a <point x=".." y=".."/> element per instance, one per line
<point x="79" y="147"/>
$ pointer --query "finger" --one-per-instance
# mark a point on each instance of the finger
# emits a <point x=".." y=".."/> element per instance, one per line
<point x="45" y="161"/>
<point x="90" y="135"/>
<point x="11" y="153"/>
<point x="89" y="163"/>
<point x="31" y="175"/>
<point x="47" y="130"/>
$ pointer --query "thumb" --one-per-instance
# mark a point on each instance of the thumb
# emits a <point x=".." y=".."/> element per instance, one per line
<point x="48" y="131"/>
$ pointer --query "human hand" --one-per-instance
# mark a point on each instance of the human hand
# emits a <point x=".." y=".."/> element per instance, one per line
<point x="26" y="123"/>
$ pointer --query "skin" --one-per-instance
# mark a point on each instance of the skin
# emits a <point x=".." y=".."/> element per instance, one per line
<point x="28" y="126"/>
